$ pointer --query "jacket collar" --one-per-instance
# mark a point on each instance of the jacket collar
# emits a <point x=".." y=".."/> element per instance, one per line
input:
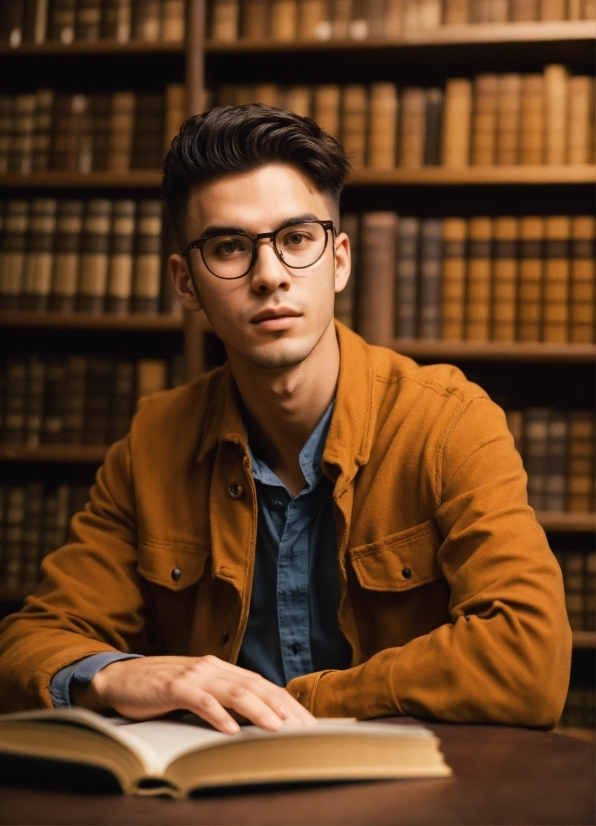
<point x="349" y="439"/>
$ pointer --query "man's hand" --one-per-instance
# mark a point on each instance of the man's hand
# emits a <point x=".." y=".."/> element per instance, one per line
<point x="152" y="686"/>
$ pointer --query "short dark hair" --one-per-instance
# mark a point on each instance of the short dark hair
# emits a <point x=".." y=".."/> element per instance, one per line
<point x="231" y="139"/>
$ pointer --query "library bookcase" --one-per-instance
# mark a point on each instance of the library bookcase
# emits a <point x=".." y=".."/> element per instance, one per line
<point x="516" y="374"/>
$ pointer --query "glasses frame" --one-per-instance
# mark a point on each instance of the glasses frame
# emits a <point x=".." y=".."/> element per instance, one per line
<point x="272" y="236"/>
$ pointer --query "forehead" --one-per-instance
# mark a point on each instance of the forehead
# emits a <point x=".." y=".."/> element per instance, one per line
<point x="256" y="201"/>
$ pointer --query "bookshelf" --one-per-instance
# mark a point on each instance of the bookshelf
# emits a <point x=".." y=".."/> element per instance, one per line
<point x="417" y="58"/>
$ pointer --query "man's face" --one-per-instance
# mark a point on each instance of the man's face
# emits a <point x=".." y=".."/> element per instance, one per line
<point x="274" y="316"/>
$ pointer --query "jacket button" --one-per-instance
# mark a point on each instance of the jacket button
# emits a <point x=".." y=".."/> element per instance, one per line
<point x="235" y="490"/>
<point x="176" y="574"/>
<point x="225" y="638"/>
<point x="406" y="573"/>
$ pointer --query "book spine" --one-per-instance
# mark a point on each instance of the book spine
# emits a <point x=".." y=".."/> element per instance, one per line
<point x="551" y="10"/>
<point x="590" y="604"/>
<point x="116" y="20"/>
<point x="456" y="122"/>
<point x="88" y="20"/>
<point x="358" y="28"/>
<point x="13" y="416"/>
<point x="77" y="368"/>
<point x="283" y="17"/>
<point x="515" y="423"/>
<point x="120" y="269"/>
<point x="297" y="99"/>
<point x="433" y="122"/>
<point x="121" y="131"/>
<point x="147" y="263"/>
<point x="20" y="157"/>
<point x="453" y="291"/>
<point x="556" y="279"/>
<point x="93" y="270"/>
<point x="532" y="115"/>
<point x="341" y="17"/>
<point x="12" y="257"/>
<point x="429" y="321"/>
<point x="6" y="107"/>
<point x="535" y="454"/>
<point x="223" y="25"/>
<point x="39" y="257"/>
<point x="412" y="132"/>
<point x="69" y="227"/>
<point x="382" y="126"/>
<point x="13" y="22"/>
<point x="353" y="124"/>
<point x="48" y="530"/>
<point x="147" y="145"/>
<point x="13" y="537"/>
<point x="375" y="320"/>
<point x="556" y="79"/>
<point x="478" y="280"/>
<point x="313" y="20"/>
<point x="429" y="14"/>
<point x="175" y="112"/>
<point x="267" y="93"/>
<point x="98" y="401"/>
<point x="123" y="399"/>
<point x="555" y="492"/>
<point x="32" y="527"/>
<point x="146" y="20"/>
<point x="411" y="16"/>
<point x="508" y="119"/>
<point x="345" y="300"/>
<point x="376" y="19"/>
<point x="582" y="280"/>
<point x="523" y="11"/>
<point x="54" y="411"/>
<point x="100" y="122"/>
<point x="173" y="25"/>
<point x="62" y="20"/>
<point x="580" y="468"/>
<point x="573" y="568"/>
<point x="505" y="266"/>
<point x="456" y="12"/>
<point x="42" y="130"/>
<point x="580" y="136"/>
<point x="253" y="21"/>
<point x="326" y="108"/>
<point x="406" y="277"/>
<point x="66" y="128"/>
<point x="484" y="119"/>
<point x="530" y="278"/>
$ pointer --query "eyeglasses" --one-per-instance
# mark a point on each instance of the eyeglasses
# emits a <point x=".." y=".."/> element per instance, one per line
<point x="232" y="255"/>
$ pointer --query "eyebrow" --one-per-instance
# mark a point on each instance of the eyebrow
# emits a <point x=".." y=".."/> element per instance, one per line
<point x="217" y="229"/>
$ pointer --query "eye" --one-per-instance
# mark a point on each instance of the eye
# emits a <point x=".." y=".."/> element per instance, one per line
<point x="229" y="246"/>
<point x="297" y="238"/>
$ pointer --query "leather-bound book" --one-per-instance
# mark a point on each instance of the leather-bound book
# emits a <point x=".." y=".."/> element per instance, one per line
<point x="6" y="117"/>
<point x="382" y="136"/>
<point x="341" y="17"/>
<point x="505" y="268"/>
<point x="406" y="277"/>
<point x="14" y="525"/>
<point x="456" y="12"/>
<point x="93" y="270"/>
<point x="34" y="497"/>
<point x="152" y="376"/>
<point x="20" y="157"/>
<point x="556" y="78"/>
<point x="123" y="399"/>
<point x="98" y="400"/>
<point x="535" y="454"/>
<point x="582" y="287"/>
<point x="223" y="25"/>
<point x="430" y="13"/>
<point x="478" y="279"/>
<point x="146" y="20"/>
<point x="580" y="468"/>
<point x="433" y="116"/>
<point x="523" y="11"/>
<point x="555" y="483"/>
<point x="122" y="117"/>
<point x="453" y="287"/>
<point x="284" y="19"/>
<point x="456" y="122"/>
<point x="34" y="400"/>
<point x="326" y="108"/>
<point x="313" y="21"/>
<point x="67" y="245"/>
<point x="484" y="119"/>
<point x="393" y="24"/>
<point x="172" y="24"/>
<point x="353" y="123"/>
<point x="377" y="275"/>
<point x="75" y="390"/>
<point x="175" y="112"/>
<point x="508" y="119"/>
<point x="529" y="295"/>
<point x="116" y="20"/>
<point x="147" y="261"/>
<point x="532" y="115"/>
<point x="552" y="10"/>
<point x="121" y="256"/>
<point x="53" y="418"/>
<point x="12" y="14"/>
<point x="39" y="258"/>
<point x="429" y="310"/>
<point x="88" y="20"/>
<point x="580" y="136"/>
<point x="147" y="146"/>
<point x="62" y="20"/>
<point x="67" y="121"/>
<point x="14" y="402"/>
<point x="555" y="311"/>
<point x="254" y="22"/>
<point x="297" y="99"/>
<point x="35" y="20"/>
<point x="12" y="254"/>
<point x="42" y="130"/>
<point x="412" y="127"/>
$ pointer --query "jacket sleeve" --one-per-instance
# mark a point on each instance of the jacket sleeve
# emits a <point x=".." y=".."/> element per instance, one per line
<point x="90" y="600"/>
<point x="505" y="655"/>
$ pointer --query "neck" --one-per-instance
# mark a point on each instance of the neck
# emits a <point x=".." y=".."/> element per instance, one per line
<point x="284" y="405"/>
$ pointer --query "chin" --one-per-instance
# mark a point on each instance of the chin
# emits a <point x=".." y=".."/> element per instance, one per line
<point x="280" y="355"/>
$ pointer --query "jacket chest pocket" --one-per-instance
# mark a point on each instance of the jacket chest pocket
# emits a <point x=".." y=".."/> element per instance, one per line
<point x="399" y="562"/>
<point x="173" y="566"/>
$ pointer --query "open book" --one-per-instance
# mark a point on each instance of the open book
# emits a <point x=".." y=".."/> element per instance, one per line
<point x="177" y="757"/>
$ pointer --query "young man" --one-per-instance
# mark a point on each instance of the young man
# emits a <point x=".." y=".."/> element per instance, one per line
<point x="320" y="527"/>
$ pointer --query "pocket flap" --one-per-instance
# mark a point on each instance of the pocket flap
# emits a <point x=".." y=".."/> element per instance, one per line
<point x="399" y="562"/>
<point x="174" y="566"/>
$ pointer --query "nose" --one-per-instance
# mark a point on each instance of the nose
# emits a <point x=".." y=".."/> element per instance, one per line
<point x="268" y="273"/>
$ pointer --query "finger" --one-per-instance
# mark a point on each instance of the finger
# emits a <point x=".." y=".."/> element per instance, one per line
<point x="208" y="708"/>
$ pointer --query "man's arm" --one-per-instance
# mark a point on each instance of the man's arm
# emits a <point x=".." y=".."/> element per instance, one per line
<point x="505" y="655"/>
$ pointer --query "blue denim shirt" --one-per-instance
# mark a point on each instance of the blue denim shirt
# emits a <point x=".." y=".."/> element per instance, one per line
<point x="292" y="624"/>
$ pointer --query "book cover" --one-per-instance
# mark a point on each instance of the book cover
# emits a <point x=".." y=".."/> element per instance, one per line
<point x="504" y="277"/>
<point x="582" y="277"/>
<point x="121" y="252"/>
<point x="478" y="280"/>
<point x="581" y="469"/>
<point x="67" y="245"/>
<point x="433" y="117"/>
<point x="532" y="114"/>
<point x="93" y="268"/>
<point x="406" y="277"/>
<point x="382" y="126"/>
<point x="223" y="25"/>
<point x="147" y="261"/>
<point x="39" y="258"/>
<point x="484" y="119"/>
<point x="429" y="321"/>
<point x="12" y="254"/>
<point x="453" y="287"/>
<point x="354" y="107"/>
<point x="412" y="127"/>
<point x="122" y="116"/>
<point x="116" y="20"/>
<point x="374" y="310"/>
<point x="283" y="18"/>
<point x="146" y="20"/>
<point x="536" y="453"/>
<point x="580" y="137"/>
<point x="508" y="119"/>
<point x="529" y="327"/>
<point x="556" y="78"/>
<point x="456" y="122"/>
<point x="555" y="291"/>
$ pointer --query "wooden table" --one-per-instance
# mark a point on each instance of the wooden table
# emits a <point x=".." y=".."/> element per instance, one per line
<point x="502" y="776"/>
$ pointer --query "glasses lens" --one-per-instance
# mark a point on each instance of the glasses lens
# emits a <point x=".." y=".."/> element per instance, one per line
<point x="228" y="256"/>
<point x="301" y="244"/>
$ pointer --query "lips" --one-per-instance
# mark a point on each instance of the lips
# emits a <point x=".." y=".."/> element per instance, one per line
<point x="271" y="314"/>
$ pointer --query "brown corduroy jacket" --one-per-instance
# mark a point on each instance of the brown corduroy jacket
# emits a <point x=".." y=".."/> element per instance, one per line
<point x="450" y="598"/>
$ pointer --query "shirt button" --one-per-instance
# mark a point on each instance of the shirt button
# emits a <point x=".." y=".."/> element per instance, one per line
<point x="406" y="573"/>
<point x="296" y="648"/>
<point x="278" y="506"/>
<point x="176" y="574"/>
<point x="235" y="490"/>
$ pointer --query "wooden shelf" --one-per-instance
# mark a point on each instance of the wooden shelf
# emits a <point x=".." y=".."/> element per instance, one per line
<point x="92" y="454"/>
<point x="110" y="47"/>
<point x="477" y="175"/>
<point x="494" y="350"/>
<point x="134" y="179"/>
<point x="455" y="35"/>
<point x="572" y="522"/>
<point x="91" y="321"/>
<point x="584" y="639"/>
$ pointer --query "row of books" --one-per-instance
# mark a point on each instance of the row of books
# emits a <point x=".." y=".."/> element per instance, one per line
<point x="557" y="448"/>
<point x="95" y="255"/>
<point x="579" y="577"/>
<point x="76" y="399"/>
<point x="119" y="131"/>
<point x="478" y="279"/>
<point x="34" y="520"/>
<point x="66" y="21"/>
<point x="288" y="20"/>
<point x="579" y="711"/>
<point x="492" y="119"/>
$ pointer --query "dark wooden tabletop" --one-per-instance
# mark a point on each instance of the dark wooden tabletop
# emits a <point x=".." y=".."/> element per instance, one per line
<point x="501" y="776"/>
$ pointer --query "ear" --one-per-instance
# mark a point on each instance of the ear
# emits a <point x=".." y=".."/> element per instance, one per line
<point x="343" y="261"/>
<point x="183" y="283"/>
